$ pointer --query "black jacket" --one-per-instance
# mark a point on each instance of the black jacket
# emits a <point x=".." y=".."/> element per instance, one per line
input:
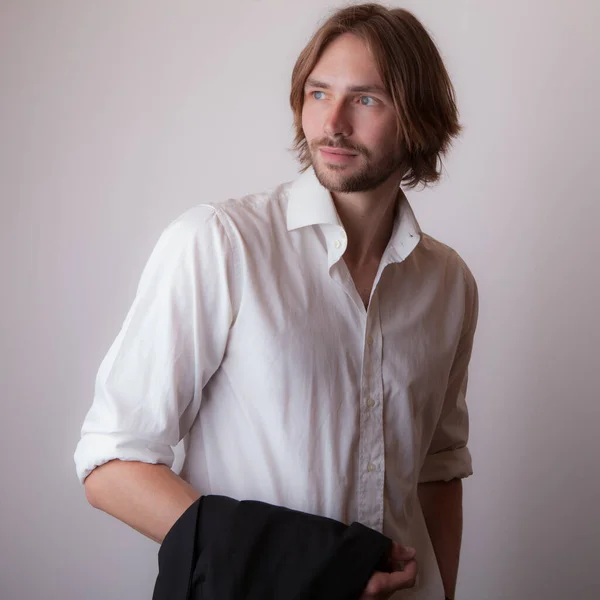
<point x="225" y="549"/>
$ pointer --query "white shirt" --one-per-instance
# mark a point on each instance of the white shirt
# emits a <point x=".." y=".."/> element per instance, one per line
<point x="247" y="336"/>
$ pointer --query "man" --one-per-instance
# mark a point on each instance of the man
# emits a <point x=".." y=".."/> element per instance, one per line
<point x="310" y="342"/>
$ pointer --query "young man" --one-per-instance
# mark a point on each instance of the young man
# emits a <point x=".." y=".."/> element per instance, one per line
<point x="310" y="342"/>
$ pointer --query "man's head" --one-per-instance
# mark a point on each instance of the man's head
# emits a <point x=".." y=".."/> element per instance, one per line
<point x="371" y="82"/>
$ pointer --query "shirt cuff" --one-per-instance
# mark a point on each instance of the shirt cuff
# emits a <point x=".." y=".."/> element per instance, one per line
<point x="448" y="465"/>
<point x="96" y="449"/>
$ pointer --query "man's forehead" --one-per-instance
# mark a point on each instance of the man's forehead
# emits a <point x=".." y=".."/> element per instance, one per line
<point x="347" y="63"/>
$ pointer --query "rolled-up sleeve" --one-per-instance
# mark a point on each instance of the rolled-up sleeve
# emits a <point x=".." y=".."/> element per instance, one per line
<point x="148" y="388"/>
<point x="448" y="456"/>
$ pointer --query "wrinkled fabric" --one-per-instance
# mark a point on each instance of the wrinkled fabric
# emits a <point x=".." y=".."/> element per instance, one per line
<point x="224" y="549"/>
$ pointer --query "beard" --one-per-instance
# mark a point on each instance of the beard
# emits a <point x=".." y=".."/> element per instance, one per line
<point x="345" y="179"/>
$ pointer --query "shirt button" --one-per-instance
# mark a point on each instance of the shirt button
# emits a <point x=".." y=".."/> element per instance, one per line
<point x="370" y="341"/>
<point x="371" y="467"/>
<point x="338" y="244"/>
<point x="370" y="403"/>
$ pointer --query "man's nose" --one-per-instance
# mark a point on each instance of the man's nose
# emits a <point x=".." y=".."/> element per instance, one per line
<point x="338" y="122"/>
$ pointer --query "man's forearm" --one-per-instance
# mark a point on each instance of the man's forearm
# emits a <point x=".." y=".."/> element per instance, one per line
<point x="441" y="503"/>
<point x="148" y="498"/>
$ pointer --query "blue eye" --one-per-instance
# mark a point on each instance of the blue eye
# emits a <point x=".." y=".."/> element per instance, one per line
<point x="317" y="93"/>
<point x="368" y="98"/>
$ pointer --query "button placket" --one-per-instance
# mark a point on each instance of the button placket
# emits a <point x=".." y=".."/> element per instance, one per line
<point x="371" y="446"/>
<point x="341" y="240"/>
<point x="336" y="241"/>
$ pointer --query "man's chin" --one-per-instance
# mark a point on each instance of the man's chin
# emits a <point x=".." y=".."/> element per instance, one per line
<point x="331" y="181"/>
<point x="334" y="179"/>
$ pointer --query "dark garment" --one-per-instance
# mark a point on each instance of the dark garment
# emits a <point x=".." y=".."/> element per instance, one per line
<point x="225" y="549"/>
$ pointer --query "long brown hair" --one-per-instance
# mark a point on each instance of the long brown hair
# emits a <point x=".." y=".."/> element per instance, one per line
<point x="413" y="73"/>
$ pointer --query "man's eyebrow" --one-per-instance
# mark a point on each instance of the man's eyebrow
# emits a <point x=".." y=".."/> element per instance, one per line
<point x="310" y="82"/>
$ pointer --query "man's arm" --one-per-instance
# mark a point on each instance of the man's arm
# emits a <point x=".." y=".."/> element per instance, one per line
<point x="148" y="389"/>
<point x="448" y="459"/>
<point x="149" y="498"/>
<point x="441" y="502"/>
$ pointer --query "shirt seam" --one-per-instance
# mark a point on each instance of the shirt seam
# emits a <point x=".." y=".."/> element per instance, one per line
<point x="219" y="213"/>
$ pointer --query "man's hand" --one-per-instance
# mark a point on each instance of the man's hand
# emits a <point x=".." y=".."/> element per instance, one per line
<point x="382" y="585"/>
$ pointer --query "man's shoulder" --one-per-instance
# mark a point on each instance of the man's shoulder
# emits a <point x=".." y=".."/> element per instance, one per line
<point x="252" y="212"/>
<point x="445" y="255"/>
<point x="232" y="224"/>
<point x="254" y="207"/>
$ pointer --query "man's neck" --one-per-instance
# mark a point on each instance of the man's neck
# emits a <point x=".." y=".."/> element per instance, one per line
<point x="368" y="218"/>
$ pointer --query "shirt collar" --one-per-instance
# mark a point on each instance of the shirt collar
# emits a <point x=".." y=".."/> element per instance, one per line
<point x="309" y="203"/>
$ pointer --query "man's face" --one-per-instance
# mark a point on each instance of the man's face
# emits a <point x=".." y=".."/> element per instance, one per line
<point x="346" y="107"/>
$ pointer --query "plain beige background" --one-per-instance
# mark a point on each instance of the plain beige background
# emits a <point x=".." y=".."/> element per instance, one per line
<point x="116" y="116"/>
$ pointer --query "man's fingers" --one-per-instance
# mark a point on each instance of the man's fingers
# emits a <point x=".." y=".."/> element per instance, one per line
<point x="383" y="584"/>
<point x="398" y="580"/>
<point x="386" y="583"/>
<point x="402" y="552"/>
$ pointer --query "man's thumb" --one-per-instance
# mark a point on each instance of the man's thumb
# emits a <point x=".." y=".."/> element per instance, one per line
<point x="403" y="552"/>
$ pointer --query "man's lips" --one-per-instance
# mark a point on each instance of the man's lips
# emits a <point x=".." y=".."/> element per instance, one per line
<point x="338" y="151"/>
